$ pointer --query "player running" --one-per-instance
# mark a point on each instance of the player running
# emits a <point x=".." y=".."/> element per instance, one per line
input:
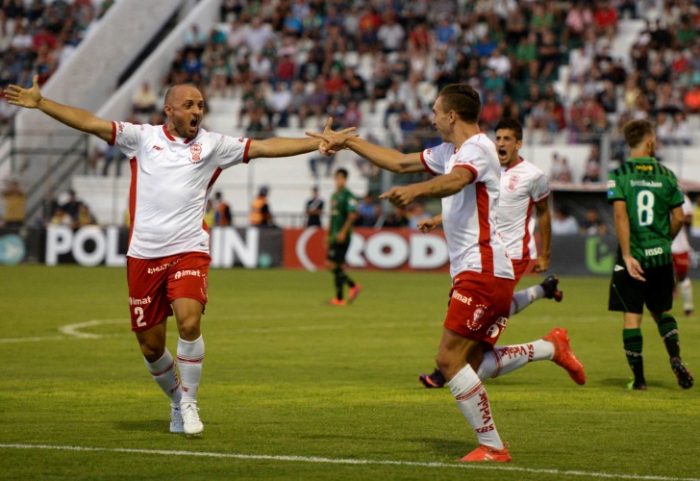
<point x="680" y="248"/>
<point x="467" y="179"/>
<point x="343" y="216"/>
<point x="173" y="168"/>
<point x="648" y="213"/>
<point x="523" y="186"/>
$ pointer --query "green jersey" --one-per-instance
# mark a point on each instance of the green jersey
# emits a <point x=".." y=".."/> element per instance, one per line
<point x="343" y="203"/>
<point x="650" y="192"/>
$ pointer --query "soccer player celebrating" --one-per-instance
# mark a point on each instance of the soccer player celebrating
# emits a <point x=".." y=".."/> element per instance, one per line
<point x="680" y="248"/>
<point x="466" y="172"/>
<point x="173" y="167"/>
<point x="523" y="186"/>
<point x="648" y="213"/>
<point x="343" y="216"/>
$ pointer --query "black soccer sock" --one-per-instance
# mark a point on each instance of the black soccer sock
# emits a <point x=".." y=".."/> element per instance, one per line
<point x="632" y="340"/>
<point x="350" y="282"/>
<point x="668" y="329"/>
<point x="339" y="277"/>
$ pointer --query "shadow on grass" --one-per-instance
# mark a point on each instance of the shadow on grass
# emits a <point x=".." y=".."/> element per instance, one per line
<point x="622" y="383"/>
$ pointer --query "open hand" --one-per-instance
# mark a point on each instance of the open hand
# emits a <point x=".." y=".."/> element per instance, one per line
<point x="331" y="141"/>
<point x="400" y="196"/>
<point x="634" y="269"/>
<point x="27" y="98"/>
<point x="428" y="225"/>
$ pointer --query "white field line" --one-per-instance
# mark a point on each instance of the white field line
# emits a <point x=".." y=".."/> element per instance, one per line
<point x="12" y="340"/>
<point x="563" y="473"/>
<point x="75" y="330"/>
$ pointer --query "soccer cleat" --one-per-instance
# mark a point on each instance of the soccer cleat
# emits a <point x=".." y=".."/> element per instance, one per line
<point x="550" y="285"/>
<point x="636" y="386"/>
<point x="176" y="425"/>
<point x="487" y="454"/>
<point x="353" y="292"/>
<point x="433" y="380"/>
<point x="685" y="379"/>
<point x="564" y="356"/>
<point x="190" y="418"/>
<point x="337" y="302"/>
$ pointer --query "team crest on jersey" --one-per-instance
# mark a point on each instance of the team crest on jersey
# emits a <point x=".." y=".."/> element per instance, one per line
<point x="512" y="183"/>
<point x="195" y="152"/>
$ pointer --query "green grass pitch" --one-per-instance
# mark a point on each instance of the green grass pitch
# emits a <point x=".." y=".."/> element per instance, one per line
<point x="286" y="375"/>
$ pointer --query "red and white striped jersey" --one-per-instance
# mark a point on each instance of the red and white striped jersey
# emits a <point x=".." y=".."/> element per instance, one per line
<point x="469" y="216"/>
<point x="522" y="185"/>
<point x="170" y="183"/>
<point x="680" y="243"/>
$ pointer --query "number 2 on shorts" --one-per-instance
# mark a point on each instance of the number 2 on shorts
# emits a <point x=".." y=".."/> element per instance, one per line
<point x="139" y="320"/>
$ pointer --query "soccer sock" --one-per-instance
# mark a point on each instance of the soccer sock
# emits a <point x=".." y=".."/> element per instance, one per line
<point x="668" y="329"/>
<point x="190" y="355"/>
<point x="525" y="297"/>
<point x="473" y="401"/>
<point x="686" y="289"/>
<point x="632" y="340"/>
<point x="350" y="282"/>
<point x="504" y="359"/>
<point x="163" y="372"/>
<point x="339" y="278"/>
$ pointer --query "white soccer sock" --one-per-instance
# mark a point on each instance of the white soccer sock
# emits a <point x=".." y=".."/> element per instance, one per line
<point x="505" y="359"/>
<point x="190" y="355"/>
<point x="525" y="297"/>
<point x="686" y="289"/>
<point x="163" y="372"/>
<point x="473" y="401"/>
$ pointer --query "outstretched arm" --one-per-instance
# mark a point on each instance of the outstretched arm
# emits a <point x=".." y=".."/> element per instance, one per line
<point x="544" y="222"/>
<point x="383" y="157"/>
<point x="285" y="147"/>
<point x="79" y="119"/>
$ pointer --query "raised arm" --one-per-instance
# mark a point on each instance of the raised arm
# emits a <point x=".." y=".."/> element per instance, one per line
<point x="439" y="186"/>
<point x="622" y="229"/>
<point x="285" y="147"/>
<point x="76" y="118"/>
<point x="544" y="221"/>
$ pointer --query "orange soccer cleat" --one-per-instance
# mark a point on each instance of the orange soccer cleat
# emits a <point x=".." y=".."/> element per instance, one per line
<point x="484" y="454"/>
<point x="564" y="356"/>
<point x="353" y="292"/>
<point x="337" y="302"/>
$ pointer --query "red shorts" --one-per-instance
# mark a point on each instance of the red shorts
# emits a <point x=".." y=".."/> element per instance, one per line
<point x="681" y="265"/>
<point x="155" y="283"/>
<point x="521" y="267"/>
<point x="479" y="306"/>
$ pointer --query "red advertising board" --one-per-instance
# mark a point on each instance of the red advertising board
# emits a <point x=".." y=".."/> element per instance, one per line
<point x="385" y="249"/>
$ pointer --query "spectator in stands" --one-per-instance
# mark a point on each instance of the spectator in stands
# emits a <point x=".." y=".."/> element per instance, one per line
<point x="416" y="214"/>
<point x="278" y="104"/>
<point x="61" y="217"/>
<point x="84" y="216"/>
<point x="591" y="172"/>
<point x="222" y="211"/>
<point x="559" y="170"/>
<point x="144" y="99"/>
<point x="692" y="99"/>
<point x="314" y="209"/>
<point x="367" y="211"/>
<point x="15" y="204"/>
<point x="391" y="34"/>
<point x="257" y="34"/>
<point x="71" y="205"/>
<point x="397" y="218"/>
<point x="592" y="224"/>
<point x="209" y="214"/>
<point x="563" y="223"/>
<point x="260" y="215"/>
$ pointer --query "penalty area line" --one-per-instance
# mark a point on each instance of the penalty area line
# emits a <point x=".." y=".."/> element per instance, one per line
<point x="348" y="461"/>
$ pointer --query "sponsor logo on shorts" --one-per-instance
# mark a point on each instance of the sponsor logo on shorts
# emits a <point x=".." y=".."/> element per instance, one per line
<point x="160" y="268"/>
<point x="134" y="301"/>
<point x="497" y="327"/>
<point x="188" y="272"/>
<point x="462" y="298"/>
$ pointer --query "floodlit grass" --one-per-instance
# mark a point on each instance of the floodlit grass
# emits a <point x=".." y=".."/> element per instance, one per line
<point x="286" y="374"/>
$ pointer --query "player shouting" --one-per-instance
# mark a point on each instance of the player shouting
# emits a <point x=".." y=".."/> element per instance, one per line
<point x="173" y="168"/>
<point x="467" y="179"/>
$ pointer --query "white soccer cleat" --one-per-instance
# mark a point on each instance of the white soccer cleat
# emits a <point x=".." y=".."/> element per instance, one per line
<point x="191" y="423"/>
<point x="176" y="424"/>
